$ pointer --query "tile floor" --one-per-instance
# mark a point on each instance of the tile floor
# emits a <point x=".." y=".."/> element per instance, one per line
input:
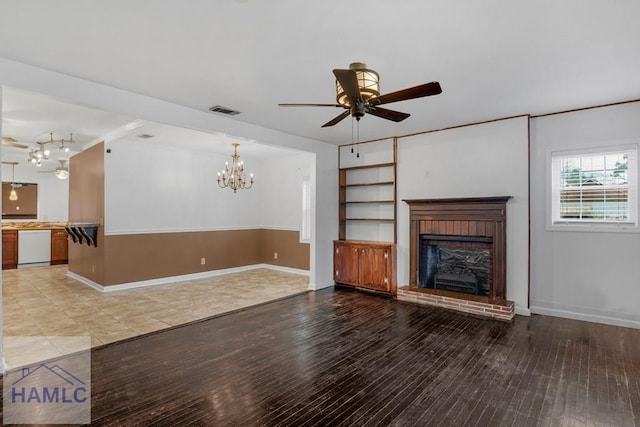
<point x="43" y="301"/>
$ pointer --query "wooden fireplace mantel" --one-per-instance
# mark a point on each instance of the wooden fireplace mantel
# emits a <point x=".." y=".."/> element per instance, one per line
<point x="481" y="217"/>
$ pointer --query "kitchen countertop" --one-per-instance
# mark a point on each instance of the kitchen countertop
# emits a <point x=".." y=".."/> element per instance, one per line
<point x="33" y="225"/>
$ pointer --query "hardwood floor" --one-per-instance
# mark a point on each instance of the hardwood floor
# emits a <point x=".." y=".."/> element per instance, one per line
<point x="340" y="357"/>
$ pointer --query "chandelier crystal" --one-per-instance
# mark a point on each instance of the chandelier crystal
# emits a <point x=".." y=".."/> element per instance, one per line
<point x="233" y="177"/>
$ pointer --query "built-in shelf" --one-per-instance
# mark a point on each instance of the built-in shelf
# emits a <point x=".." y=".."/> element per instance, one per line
<point x="367" y="184"/>
<point x="377" y="165"/>
<point x="371" y="186"/>
<point x="386" y="202"/>
<point x="371" y="219"/>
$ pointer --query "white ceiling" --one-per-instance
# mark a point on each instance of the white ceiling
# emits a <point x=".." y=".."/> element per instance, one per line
<point x="29" y="117"/>
<point x="493" y="58"/>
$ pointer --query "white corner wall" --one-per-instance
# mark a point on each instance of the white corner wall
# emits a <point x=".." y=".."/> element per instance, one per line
<point x="279" y="181"/>
<point x="591" y="276"/>
<point x="489" y="159"/>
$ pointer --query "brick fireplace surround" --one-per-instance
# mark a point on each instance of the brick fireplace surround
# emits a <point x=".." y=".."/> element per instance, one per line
<point x="464" y="219"/>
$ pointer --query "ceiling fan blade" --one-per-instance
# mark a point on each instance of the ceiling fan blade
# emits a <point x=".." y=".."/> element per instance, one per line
<point x="309" y="105"/>
<point x="395" y="116"/>
<point x="426" y="89"/>
<point x="349" y="82"/>
<point x="11" y="142"/>
<point x="337" y="119"/>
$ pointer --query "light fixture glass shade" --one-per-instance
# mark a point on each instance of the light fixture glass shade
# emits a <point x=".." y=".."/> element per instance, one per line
<point x="368" y="83"/>
<point x="13" y="195"/>
<point x="62" y="174"/>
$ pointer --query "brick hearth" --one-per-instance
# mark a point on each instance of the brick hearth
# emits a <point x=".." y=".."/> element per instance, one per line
<point x="483" y="306"/>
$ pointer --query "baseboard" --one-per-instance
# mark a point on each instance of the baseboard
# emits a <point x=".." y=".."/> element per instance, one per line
<point x="181" y="278"/>
<point x="586" y="317"/>
<point x="317" y="287"/>
<point x="283" y="269"/>
<point x="523" y="311"/>
<point x="86" y="281"/>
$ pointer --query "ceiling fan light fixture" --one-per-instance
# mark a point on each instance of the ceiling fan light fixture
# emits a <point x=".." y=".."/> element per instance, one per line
<point x="62" y="174"/>
<point x="368" y="82"/>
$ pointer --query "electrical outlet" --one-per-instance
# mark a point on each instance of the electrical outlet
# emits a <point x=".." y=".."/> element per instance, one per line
<point x="275" y="255"/>
<point x="203" y="261"/>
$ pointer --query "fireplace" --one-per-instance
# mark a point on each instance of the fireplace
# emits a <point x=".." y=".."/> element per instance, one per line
<point x="457" y="254"/>
<point x="455" y="265"/>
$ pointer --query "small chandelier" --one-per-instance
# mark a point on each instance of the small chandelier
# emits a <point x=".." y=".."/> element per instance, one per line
<point x="233" y="177"/>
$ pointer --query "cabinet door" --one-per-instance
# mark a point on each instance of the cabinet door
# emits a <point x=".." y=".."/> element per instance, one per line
<point x="59" y="247"/>
<point x="9" y="249"/>
<point x="345" y="264"/>
<point x="374" y="272"/>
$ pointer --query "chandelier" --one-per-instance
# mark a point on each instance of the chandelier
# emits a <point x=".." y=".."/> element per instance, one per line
<point x="233" y="177"/>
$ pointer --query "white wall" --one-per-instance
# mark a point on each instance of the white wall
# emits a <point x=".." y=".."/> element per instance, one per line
<point x="489" y="159"/>
<point x="174" y="189"/>
<point x="53" y="193"/>
<point x="584" y="275"/>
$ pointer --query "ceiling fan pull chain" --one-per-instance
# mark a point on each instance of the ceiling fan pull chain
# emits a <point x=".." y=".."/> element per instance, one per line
<point x="352" y="131"/>
<point x="358" y="144"/>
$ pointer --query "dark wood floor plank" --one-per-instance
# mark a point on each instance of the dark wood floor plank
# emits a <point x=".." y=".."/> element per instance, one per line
<point x="339" y="357"/>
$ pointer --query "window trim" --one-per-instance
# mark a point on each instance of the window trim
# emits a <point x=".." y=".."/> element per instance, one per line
<point x="305" y="223"/>
<point x="631" y="226"/>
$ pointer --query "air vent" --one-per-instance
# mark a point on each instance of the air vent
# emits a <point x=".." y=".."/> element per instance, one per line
<point x="145" y="136"/>
<point x="224" y="110"/>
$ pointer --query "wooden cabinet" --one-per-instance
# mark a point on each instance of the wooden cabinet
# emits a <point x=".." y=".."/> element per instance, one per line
<point x="9" y="249"/>
<point x="367" y="265"/>
<point x="59" y="247"/>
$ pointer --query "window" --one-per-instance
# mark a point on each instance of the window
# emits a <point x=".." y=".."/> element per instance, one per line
<point x="305" y="229"/>
<point x="594" y="189"/>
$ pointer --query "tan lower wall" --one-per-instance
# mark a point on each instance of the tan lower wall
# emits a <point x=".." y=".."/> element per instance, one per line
<point x="291" y="253"/>
<point x="138" y="257"/>
<point x="86" y="204"/>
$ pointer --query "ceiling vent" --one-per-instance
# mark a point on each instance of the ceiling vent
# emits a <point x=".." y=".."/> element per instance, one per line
<point x="145" y="136"/>
<point x="224" y="110"/>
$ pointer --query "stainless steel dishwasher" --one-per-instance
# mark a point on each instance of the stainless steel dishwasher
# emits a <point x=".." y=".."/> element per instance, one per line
<point x="34" y="247"/>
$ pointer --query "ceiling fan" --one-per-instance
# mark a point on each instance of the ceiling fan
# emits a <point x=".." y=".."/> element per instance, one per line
<point x="358" y="92"/>
<point x="11" y="142"/>
<point x="62" y="171"/>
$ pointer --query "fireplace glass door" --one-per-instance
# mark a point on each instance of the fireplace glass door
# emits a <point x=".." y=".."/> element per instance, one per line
<point x="455" y="267"/>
